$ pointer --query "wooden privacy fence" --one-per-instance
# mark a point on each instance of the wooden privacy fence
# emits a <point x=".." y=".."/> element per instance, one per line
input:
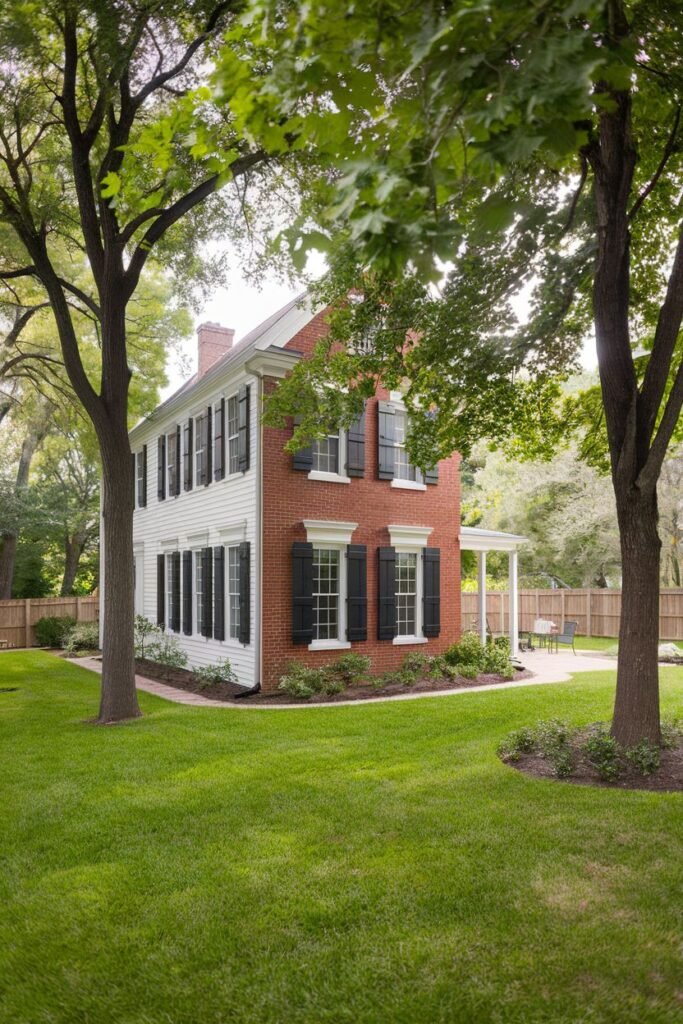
<point x="597" y="611"/>
<point x="18" y="618"/>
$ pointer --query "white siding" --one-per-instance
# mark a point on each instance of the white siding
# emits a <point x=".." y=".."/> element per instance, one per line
<point x="221" y="513"/>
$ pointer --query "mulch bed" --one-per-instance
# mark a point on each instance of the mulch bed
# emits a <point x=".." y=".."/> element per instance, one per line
<point x="183" y="679"/>
<point x="667" y="778"/>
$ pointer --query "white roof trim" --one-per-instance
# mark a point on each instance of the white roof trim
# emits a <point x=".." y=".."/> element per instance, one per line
<point x="325" y="531"/>
<point x="409" y="537"/>
<point x="472" y="538"/>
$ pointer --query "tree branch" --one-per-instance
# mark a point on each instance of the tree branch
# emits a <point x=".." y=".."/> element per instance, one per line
<point x="668" y="151"/>
<point x="666" y="336"/>
<point x="672" y="410"/>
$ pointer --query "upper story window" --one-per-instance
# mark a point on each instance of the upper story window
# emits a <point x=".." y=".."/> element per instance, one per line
<point x="233" y="435"/>
<point x="326" y="454"/>
<point x="403" y="468"/>
<point x="173" y="461"/>
<point x="141" y="476"/>
<point x="202" y="448"/>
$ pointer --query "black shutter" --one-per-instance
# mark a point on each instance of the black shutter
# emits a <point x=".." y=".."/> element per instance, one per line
<point x="187" y="593"/>
<point x="243" y="428"/>
<point x="386" y="622"/>
<point x="209" y="447"/>
<point x="161" y="468"/>
<point x="386" y="440"/>
<point x="356" y="592"/>
<point x="188" y="456"/>
<point x="245" y="593"/>
<point x="207" y="591"/>
<point x="161" y="590"/>
<point x="175" y="592"/>
<point x="303" y="459"/>
<point x="219" y="593"/>
<point x="177" y="460"/>
<point x="431" y="592"/>
<point x="302" y="593"/>
<point x="355" y="447"/>
<point x="143" y="496"/>
<point x="219" y="441"/>
<point x="431" y="476"/>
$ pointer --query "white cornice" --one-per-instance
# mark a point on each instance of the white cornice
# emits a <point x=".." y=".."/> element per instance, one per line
<point x="328" y="531"/>
<point x="409" y="537"/>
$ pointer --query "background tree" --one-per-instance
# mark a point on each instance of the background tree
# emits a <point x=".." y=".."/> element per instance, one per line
<point x="83" y="87"/>
<point x="534" y="147"/>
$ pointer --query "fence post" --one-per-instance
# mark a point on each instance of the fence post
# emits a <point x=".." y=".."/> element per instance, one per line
<point x="538" y="605"/>
<point x="589" y="594"/>
<point x="78" y="609"/>
<point x="562" y="606"/>
<point x="27" y="622"/>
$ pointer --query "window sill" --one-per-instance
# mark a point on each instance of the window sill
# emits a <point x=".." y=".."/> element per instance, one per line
<point x="329" y="645"/>
<point x="330" y="478"/>
<point x="400" y="640"/>
<point x="408" y="485"/>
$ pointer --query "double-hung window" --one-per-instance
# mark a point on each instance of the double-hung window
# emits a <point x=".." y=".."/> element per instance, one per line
<point x="326" y="593"/>
<point x="199" y="588"/>
<point x="403" y="468"/>
<point x="234" y="592"/>
<point x="233" y="434"/>
<point x="327" y="454"/>
<point x="171" y="584"/>
<point x="406" y="593"/>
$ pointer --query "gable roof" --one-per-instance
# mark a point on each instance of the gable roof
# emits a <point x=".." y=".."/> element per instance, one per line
<point x="274" y="332"/>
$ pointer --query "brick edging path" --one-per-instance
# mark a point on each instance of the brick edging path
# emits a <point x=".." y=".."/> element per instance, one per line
<point x="547" y="668"/>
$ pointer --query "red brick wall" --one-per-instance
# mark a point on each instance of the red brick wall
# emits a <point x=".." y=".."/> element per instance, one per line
<point x="289" y="497"/>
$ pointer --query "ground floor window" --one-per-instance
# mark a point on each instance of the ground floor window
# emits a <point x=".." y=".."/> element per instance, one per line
<point x="326" y="580"/>
<point x="234" y="592"/>
<point x="199" y="588"/>
<point x="406" y="594"/>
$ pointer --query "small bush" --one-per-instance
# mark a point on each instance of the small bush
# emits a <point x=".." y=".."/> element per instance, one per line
<point x="497" y="660"/>
<point x="672" y="730"/>
<point x="352" y="669"/>
<point x="645" y="756"/>
<point x="221" y="672"/>
<point x="438" y="667"/>
<point x="463" y="671"/>
<point x="602" y="750"/>
<point x="153" y="643"/>
<point x="469" y="651"/>
<point x="414" y="666"/>
<point x="562" y="761"/>
<point x="84" y="636"/>
<point x="300" y="681"/>
<point x="52" y="630"/>
<point x="551" y="735"/>
<point x="144" y="633"/>
<point x="519" y="741"/>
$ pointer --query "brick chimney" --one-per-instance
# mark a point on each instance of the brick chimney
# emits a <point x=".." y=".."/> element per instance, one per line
<point x="213" y="341"/>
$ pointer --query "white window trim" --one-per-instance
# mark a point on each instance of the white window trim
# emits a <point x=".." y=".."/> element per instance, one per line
<point x="413" y="549"/>
<point x="335" y="643"/>
<point x="408" y="485"/>
<point x="328" y="533"/>
<point x="408" y="538"/>
<point x="233" y="640"/>
<point x="227" y="436"/>
<point x="232" y="535"/>
<point x="168" y="544"/>
<point x="334" y="478"/>
<point x="198" y="540"/>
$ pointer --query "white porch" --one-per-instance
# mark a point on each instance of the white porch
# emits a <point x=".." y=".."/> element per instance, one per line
<point x="483" y="541"/>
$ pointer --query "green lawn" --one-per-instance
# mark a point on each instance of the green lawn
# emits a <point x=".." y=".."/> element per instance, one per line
<point x="365" y="864"/>
<point x="603" y="643"/>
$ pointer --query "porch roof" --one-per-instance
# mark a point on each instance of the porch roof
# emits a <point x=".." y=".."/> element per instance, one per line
<point x="474" y="539"/>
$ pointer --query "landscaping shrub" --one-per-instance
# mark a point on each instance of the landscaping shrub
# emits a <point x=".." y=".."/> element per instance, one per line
<point x="462" y="671"/>
<point x="221" y="672"/>
<point x="352" y="669"/>
<point x="519" y="741"/>
<point x="151" y="642"/>
<point x="414" y="666"/>
<point x="497" y="660"/>
<point x="302" y="682"/>
<point x="84" y="636"/>
<point x="602" y="750"/>
<point x="672" y="730"/>
<point x="645" y="756"/>
<point x="468" y="651"/>
<point x="144" y="631"/>
<point x="52" y="630"/>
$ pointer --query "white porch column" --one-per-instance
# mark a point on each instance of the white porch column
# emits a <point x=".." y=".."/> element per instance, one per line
<point x="481" y="597"/>
<point x="514" y="609"/>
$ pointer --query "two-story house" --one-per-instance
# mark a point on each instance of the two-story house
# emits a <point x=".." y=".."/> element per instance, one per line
<point x="248" y="552"/>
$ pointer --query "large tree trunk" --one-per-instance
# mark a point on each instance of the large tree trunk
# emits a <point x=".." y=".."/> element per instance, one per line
<point x="73" y="549"/>
<point x="119" y="697"/>
<point x="636" y="707"/>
